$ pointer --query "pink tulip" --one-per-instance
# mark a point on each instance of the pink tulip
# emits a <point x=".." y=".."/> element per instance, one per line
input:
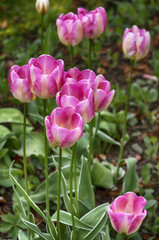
<point x="19" y="83"/>
<point x="69" y="28"/>
<point x="64" y="127"/>
<point x="136" y="43"/>
<point x="94" y="22"/>
<point x="46" y="75"/>
<point x="126" y="213"/>
<point x="42" y="6"/>
<point x="78" y="96"/>
<point x="102" y="95"/>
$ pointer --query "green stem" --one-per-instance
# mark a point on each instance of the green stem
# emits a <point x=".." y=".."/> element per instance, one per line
<point x="90" y="145"/>
<point x="75" y="182"/>
<point x="125" y="118"/>
<point x="90" y="54"/>
<point x="46" y="161"/>
<point x="123" y="236"/>
<point x="97" y="125"/>
<point x="59" y="192"/>
<point x="42" y="32"/>
<point x="25" y="165"/>
<point x="71" y="191"/>
<point x="72" y="57"/>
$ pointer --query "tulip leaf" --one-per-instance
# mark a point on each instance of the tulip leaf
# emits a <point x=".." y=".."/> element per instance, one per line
<point x="131" y="178"/>
<point x="82" y="145"/>
<point x="11" y="115"/>
<point x="22" y="235"/>
<point x="51" y="226"/>
<point x="34" y="145"/>
<point x="85" y="189"/>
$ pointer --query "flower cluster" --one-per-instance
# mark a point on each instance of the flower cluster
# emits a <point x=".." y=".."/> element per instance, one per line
<point x="72" y="27"/>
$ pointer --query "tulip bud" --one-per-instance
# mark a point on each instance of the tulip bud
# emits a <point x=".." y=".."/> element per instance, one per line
<point x="69" y="28"/>
<point x="136" y="43"/>
<point x="19" y="83"/>
<point x="64" y="127"/>
<point x="42" y="6"/>
<point x="94" y="22"/>
<point x="126" y="213"/>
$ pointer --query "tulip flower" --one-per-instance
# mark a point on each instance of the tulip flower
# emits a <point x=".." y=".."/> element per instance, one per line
<point x="78" y="96"/>
<point x="46" y="75"/>
<point x="42" y="6"/>
<point x="126" y="213"/>
<point x="69" y="28"/>
<point x="136" y="43"/>
<point x="64" y="127"/>
<point x="19" y="83"/>
<point x="102" y="95"/>
<point x="94" y="22"/>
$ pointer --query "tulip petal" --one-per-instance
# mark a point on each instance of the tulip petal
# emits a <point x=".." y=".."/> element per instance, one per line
<point x="136" y="223"/>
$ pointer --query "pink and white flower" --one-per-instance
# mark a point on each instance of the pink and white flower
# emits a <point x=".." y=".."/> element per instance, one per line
<point x="42" y="6"/>
<point x="19" y="83"/>
<point x="126" y="213"/>
<point x="64" y="127"/>
<point x="94" y="22"/>
<point x="45" y="75"/>
<point x="136" y="43"/>
<point x="69" y="28"/>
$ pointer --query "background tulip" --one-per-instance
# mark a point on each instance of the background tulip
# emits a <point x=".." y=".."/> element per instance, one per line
<point x="126" y="213"/>
<point x="64" y="127"/>
<point x="69" y="28"/>
<point x="136" y="43"/>
<point x="94" y="22"/>
<point x="78" y="96"/>
<point x="46" y="75"/>
<point x="42" y="6"/>
<point x="19" y="83"/>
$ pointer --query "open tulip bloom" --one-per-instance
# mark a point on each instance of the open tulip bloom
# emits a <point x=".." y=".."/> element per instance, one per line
<point x="136" y="43"/>
<point x="126" y="213"/>
<point x="64" y="127"/>
<point x="94" y="22"/>
<point x="19" y="83"/>
<point x="69" y="28"/>
<point x="45" y="75"/>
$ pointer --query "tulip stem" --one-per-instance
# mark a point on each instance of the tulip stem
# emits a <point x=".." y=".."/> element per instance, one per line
<point x="125" y="126"/>
<point x="75" y="182"/>
<point x="90" y="145"/>
<point x="59" y="192"/>
<point x="46" y="161"/>
<point x="71" y="191"/>
<point x="42" y="32"/>
<point x="25" y="166"/>
<point x="90" y="54"/>
<point x="97" y="125"/>
<point x="123" y="236"/>
<point x="72" y="57"/>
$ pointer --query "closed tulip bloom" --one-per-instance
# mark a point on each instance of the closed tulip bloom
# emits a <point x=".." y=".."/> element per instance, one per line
<point x="46" y="75"/>
<point x="94" y="22"/>
<point x="42" y="6"/>
<point x="64" y="127"/>
<point x="102" y="95"/>
<point x="78" y="96"/>
<point x="69" y="28"/>
<point x="126" y="213"/>
<point x="136" y="43"/>
<point x="19" y="83"/>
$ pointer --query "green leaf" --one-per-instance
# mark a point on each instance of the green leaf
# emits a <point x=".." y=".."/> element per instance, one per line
<point x="3" y="152"/>
<point x="34" y="145"/>
<point x="11" y="115"/>
<point x="150" y="204"/>
<point x="85" y="189"/>
<point x="51" y="226"/>
<point x="153" y="95"/>
<point x="34" y="228"/>
<point x="4" y="133"/>
<point x="66" y="218"/>
<point x="131" y="178"/>
<point x="101" y="176"/>
<point x="22" y="235"/>
<point x="82" y="146"/>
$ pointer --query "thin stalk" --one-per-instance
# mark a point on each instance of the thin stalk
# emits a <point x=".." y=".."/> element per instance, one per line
<point x="46" y="161"/>
<point x="75" y="182"/>
<point x="72" y="57"/>
<point x="59" y="192"/>
<point x="25" y="166"/>
<point x="42" y="32"/>
<point x="71" y="191"/>
<point x="90" y="54"/>
<point x="125" y="125"/>
<point x="97" y="125"/>
<point x="90" y="145"/>
<point x="123" y="236"/>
